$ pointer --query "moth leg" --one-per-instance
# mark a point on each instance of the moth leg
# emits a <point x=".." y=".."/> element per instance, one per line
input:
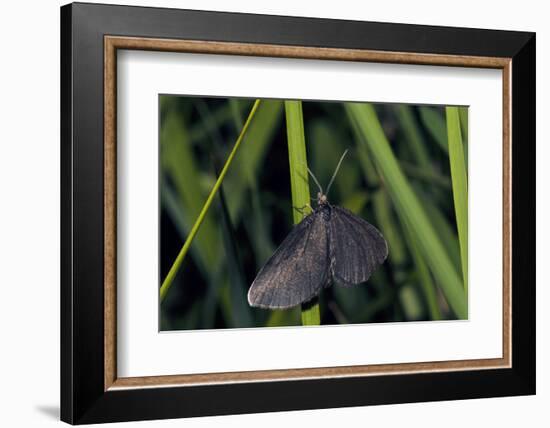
<point x="301" y="209"/>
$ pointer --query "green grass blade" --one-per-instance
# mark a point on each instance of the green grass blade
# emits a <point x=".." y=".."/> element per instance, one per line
<point x="427" y="175"/>
<point x="234" y="105"/>
<point x="328" y="142"/>
<point x="410" y="128"/>
<point x="248" y="163"/>
<point x="407" y="204"/>
<point x="463" y="114"/>
<point x="180" y="165"/>
<point x="434" y="122"/>
<point x="242" y="185"/>
<point x="177" y="213"/>
<point x="197" y="132"/>
<point x="460" y="186"/>
<point x="443" y="228"/>
<point x="424" y="277"/>
<point x="179" y="259"/>
<point x="394" y="236"/>
<point x="299" y="184"/>
<point x="240" y="311"/>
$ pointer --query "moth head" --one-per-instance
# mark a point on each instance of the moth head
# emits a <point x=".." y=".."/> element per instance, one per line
<point x="321" y="198"/>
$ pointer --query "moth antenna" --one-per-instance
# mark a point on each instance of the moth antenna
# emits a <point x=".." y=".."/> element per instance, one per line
<point x="336" y="171"/>
<point x="315" y="179"/>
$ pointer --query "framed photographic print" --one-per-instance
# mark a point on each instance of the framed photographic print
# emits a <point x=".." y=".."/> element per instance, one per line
<point x="265" y="213"/>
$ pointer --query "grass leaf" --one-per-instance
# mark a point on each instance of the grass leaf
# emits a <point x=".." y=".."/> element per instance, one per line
<point x="240" y="311"/>
<point x="460" y="185"/>
<point x="408" y="205"/>
<point x="414" y="138"/>
<point x="299" y="184"/>
<point x="434" y="122"/>
<point x="179" y="163"/>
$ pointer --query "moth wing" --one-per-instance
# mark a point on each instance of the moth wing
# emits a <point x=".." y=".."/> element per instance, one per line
<point x="357" y="248"/>
<point x="297" y="270"/>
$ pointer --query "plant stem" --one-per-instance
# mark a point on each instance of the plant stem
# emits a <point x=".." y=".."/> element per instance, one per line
<point x="183" y="252"/>
<point x="299" y="185"/>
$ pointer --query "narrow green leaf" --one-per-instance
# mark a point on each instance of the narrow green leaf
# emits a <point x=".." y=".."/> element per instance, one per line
<point x="442" y="226"/>
<point x="389" y="228"/>
<point x="242" y="185"/>
<point x="177" y="213"/>
<point x="463" y="113"/>
<point x="221" y="116"/>
<point x="180" y="165"/>
<point x="434" y="122"/>
<point x="412" y="306"/>
<point x="299" y="185"/>
<point x="460" y="186"/>
<point x="407" y="204"/>
<point x="179" y="259"/>
<point x="424" y="277"/>
<point x="410" y="128"/>
<point x="394" y="234"/>
<point x="248" y="163"/>
<point x="428" y="175"/>
<point x="240" y="311"/>
<point x="327" y="143"/>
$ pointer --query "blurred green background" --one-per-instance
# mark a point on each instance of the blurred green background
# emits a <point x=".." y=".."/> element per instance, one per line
<point x="397" y="175"/>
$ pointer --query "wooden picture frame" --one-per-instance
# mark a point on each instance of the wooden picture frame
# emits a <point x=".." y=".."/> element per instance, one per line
<point x="90" y="389"/>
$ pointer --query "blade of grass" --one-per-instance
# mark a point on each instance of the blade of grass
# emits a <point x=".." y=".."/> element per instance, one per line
<point x="424" y="277"/>
<point x="180" y="165"/>
<point x="248" y="163"/>
<point x="221" y="116"/>
<point x="429" y="176"/>
<point x="463" y="113"/>
<point x="179" y="259"/>
<point x="385" y="284"/>
<point x="460" y="186"/>
<point x="410" y="128"/>
<point x="407" y="203"/>
<point x="442" y="227"/>
<point x="328" y="143"/>
<point x="394" y="234"/>
<point x="240" y="311"/>
<point x="434" y="122"/>
<point x="172" y="205"/>
<point x="236" y="112"/>
<point x="381" y="206"/>
<point x="299" y="184"/>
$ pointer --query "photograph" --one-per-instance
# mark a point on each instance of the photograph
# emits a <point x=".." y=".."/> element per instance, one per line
<point x="280" y="213"/>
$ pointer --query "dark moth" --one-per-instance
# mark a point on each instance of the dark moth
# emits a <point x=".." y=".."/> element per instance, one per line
<point x="329" y="245"/>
